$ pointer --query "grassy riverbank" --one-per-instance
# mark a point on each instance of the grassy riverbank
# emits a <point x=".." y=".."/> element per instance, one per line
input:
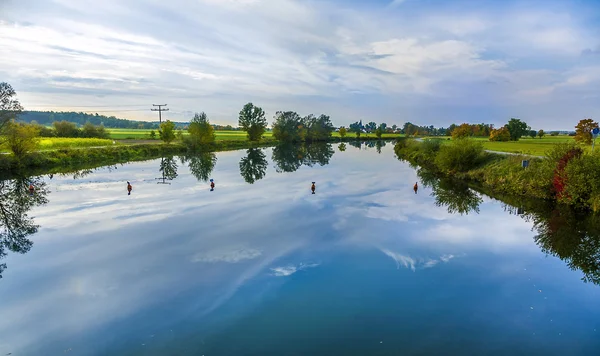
<point x="566" y="173"/>
<point x="78" y="156"/>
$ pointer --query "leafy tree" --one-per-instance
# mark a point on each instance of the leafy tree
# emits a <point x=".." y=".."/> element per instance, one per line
<point x="65" y="129"/>
<point x="380" y="130"/>
<point x="10" y="108"/>
<point x="21" y="138"/>
<point x="180" y="135"/>
<point x="252" y="120"/>
<point x="501" y="135"/>
<point x="343" y="132"/>
<point x="153" y="134"/>
<point x="288" y="127"/>
<point x="90" y="130"/>
<point x="342" y="147"/>
<point x="541" y="133"/>
<point x="201" y="131"/>
<point x="461" y="131"/>
<point x="356" y="128"/>
<point x="318" y="128"/>
<point x="554" y="133"/>
<point x="167" y="131"/>
<point x="15" y="204"/>
<point x="516" y="128"/>
<point x="253" y="167"/>
<point x="43" y="130"/>
<point x="201" y="165"/>
<point x="532" y="133"/>
<point x="394" y="127"/>
<point x="583" y="131"/>
<point x="371" y="126"/>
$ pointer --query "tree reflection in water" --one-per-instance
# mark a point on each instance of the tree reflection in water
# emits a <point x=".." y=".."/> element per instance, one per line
<point x="15" y="204"/>
<point x="457" y="197"/>
<point x="253" y="167"/>
<point x="563" y="232"/>
<point x="200" y="165"/>
<point x="288" y="158"/>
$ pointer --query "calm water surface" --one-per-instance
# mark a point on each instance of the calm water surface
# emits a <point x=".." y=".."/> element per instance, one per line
<point x="260" y="266"/>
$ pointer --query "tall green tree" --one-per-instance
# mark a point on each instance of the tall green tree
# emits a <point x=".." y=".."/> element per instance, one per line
<point x="201" y="131"/>
<point x="65" y="129"/>
<point x="252" y="120"/>
<point x="583" y="131"/>
<point x="167" y="131"/>
<point x="288" y="127"/>
<point x="516" y="128"/>
<point x="10" y="108"/>
<point x="318" y="128"/>
<point x="371" y="126"/>
<point x="253" y="167"/>
<point x="356" y="128"/>
<point x="343" y="132"/>
<point x="168" y="168"/>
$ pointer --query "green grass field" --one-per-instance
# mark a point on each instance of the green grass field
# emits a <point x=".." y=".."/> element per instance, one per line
<point x="526" y="145"/>
<point x="137" y="134"/>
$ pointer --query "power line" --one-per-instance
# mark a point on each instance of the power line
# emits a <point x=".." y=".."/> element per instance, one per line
<point x="160" y="110"/>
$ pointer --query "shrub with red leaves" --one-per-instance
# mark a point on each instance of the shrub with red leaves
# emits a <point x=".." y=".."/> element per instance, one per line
<point x="560" y="180"/>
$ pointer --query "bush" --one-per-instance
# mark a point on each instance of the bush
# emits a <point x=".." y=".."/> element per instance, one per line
<point x="460" y="155"/>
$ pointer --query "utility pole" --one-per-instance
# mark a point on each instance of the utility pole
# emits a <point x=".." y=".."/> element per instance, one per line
<point x="160" y="110"/>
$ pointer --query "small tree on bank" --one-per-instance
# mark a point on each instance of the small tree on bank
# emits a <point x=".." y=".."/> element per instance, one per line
<point x="21" y="138"/>
<point x="500" y="135"/>
<point x="583" y="131"/>
<point x="343" y="132"/>
<point x="167" y="131"/>
<point x="201" y="131"/>
<point x="252" y="120"/>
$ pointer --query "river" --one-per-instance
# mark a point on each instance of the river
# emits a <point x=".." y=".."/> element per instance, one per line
<point x="261" y="266"/>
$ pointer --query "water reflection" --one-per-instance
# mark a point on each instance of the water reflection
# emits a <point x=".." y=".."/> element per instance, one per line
<point x="253" y="167"/>
<point x="379" y="145"/>
<point x="200" y="165"/>
<point x="16" y="201"/>
<point x="342" y="147"/>
<point x="573" y="236"/>
<point x="168" y="169"/>
<point x="456" y="196"/>
<point x="288" y="158"/>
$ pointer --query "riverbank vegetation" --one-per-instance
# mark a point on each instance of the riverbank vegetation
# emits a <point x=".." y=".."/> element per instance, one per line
<point x="566" y="174"/>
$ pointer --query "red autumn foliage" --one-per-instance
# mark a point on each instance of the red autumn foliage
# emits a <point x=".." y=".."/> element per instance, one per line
<point x="560" y="181"/>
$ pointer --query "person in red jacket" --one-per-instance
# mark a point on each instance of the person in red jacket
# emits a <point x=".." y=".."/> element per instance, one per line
<point x="313" y="187"/>
<point x="129" y="188"/>
<point x="416" y="187"/>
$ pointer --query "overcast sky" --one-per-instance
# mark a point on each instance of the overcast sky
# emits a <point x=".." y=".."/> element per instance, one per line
<point x="425" y="61"/>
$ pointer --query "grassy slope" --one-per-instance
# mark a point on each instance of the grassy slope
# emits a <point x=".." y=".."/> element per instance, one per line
<point x="526" y="145"/>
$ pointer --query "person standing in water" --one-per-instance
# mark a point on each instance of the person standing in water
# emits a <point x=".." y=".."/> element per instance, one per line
<point x="129" y="188"/>
<point x="416" y="187"/>
<point x="313" y="187"/>
<point x="212" y="185"/>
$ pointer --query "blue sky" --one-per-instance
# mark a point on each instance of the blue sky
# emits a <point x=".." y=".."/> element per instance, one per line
<point x="424" y="61"/>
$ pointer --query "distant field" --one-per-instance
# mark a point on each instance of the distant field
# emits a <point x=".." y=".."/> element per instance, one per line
<point x="530" y="146"/>
<point x="122" y="134"/>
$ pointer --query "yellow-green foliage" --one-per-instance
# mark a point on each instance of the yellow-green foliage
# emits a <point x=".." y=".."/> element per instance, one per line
<point x="63" y="142"/>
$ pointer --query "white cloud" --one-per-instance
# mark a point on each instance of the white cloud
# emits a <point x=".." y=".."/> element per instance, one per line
<point x="306" y="56"/>
<point x="284" y="271"/>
